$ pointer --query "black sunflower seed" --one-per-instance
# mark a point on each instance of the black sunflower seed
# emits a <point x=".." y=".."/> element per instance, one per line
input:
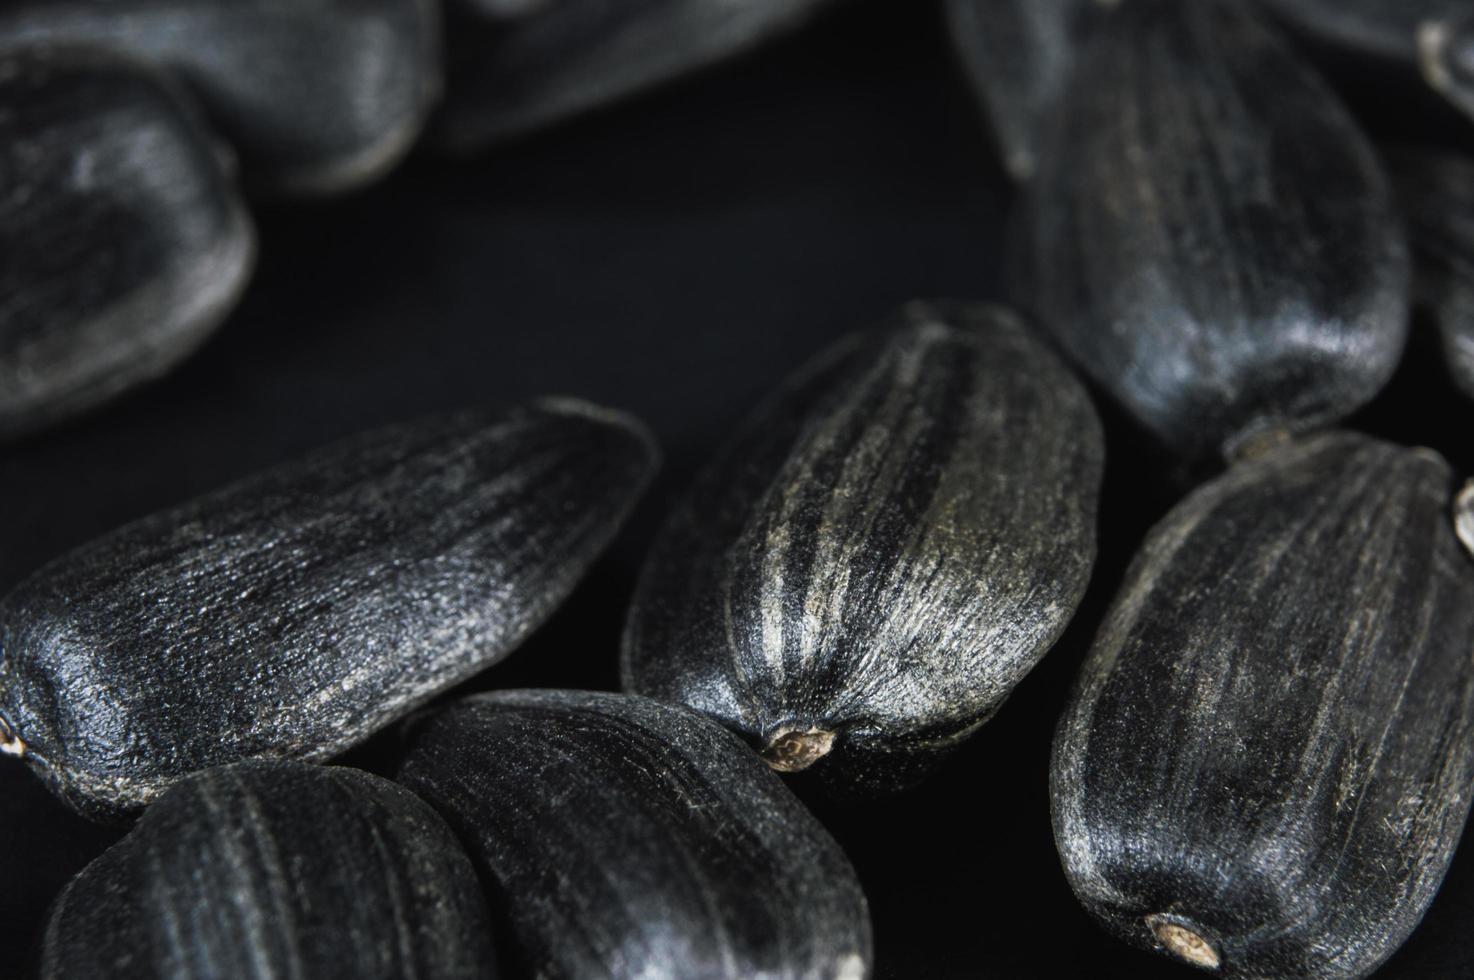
<point x="883" y="552"/>
<point x="1018" y="55"/>
<point x="628" y="838"/>
<point x="1446" y="56"/>
<point x="1267" y="763"/>
<point x="318" y="96"/>
<point x="1386" y="29"/>
<point x="517" y="67"/>
<point x="1436" y="191"/>
<point x="1216" y="282"/>
<point x="299" y="611"/>
<point x="277" y="869"/>
<point x="122" y="243"/>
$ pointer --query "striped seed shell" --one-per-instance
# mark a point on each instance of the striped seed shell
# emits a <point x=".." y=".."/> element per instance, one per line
<point x="1437" y="194"/>
<point x="299" y="611"/>
<point x="627" y="838"/>
<point x="122" y="243"/>
<point x="276" y="869"/>
<point x="1270" y="755"/>
<point x="883" y="552"/>
<point x="318" y="96"/>
<point x="515" y="68"/>
<point x="1018" y="55"/>
<point x="1217" y="283"/>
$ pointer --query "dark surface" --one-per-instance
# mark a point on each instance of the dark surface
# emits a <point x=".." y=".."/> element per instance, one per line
<point x="359" y="878"/>
<point x="1273" y="740"/>
<point x="625" y="837"/>
<point x="882" y="552"/>
<point x="125" y="244"/>
<point x="676" y="258"/>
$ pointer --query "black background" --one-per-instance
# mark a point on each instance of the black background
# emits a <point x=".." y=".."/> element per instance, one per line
<point x="674" y="257"/>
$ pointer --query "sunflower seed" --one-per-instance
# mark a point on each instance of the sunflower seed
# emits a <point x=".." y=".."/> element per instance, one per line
<point x="318" y="96"/>
<point x="1446" y="56"/>
<point x="122" y="245"/>
<point x="1386" y="29"/>
<point x="627" y="838"/>
<point x="509" y="76"/>
<point x="1436" y="191"/>
<point x="299" y="611"/>
<point x="1267" y="763"/>
<point x="276" y="869"/>
<point x="1018" y="54"/>
<point x="1215" y="284"/>
<point x="883" y="552"/>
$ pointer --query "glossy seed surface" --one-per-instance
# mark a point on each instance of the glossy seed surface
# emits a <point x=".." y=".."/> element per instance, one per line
<point x="299" y="611"/>
<point x="1436" y="190"/>
<point x="122" y="243"/>
<point x="519" y="67"/>
<point x="882" y="552"/>
<point x="1268" y="761"/>
<point x="277" y="870"/>
<point x="1018" y="55"/>
<point x="1218" y="286"/>
<point x="317" y="96"/>
<point x="627" y="838"/>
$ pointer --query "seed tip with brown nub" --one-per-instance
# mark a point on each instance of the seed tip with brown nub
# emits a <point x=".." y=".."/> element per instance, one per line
<point x="1183" y="943"/>
<point x="792" y="750"/>
<point x="1464" y="516"/>
<point x="10" y="740"/>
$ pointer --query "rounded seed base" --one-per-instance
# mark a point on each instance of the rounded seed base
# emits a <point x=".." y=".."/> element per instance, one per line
<point x="794" y="751"/>
<point x="1183" y="943"/>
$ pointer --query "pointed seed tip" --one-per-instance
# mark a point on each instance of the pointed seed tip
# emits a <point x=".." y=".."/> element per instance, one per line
<point x="10" y="741"/>
<point x="792" y="750"/>
<point x="1183" y="943"/>
<point x="1464" y="516"/>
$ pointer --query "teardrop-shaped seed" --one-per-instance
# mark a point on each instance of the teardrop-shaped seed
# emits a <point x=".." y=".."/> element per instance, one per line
<point x="1436" y="191"/>
<point x="1215" y="282"/>
<point x="318" y="96"/>
<point x="627" y="838"/>
<point x="1018" y="55"/>
<point x="883" y="552"/>
<point x="276" y="869"/>
<point x="299" y="611"/>
<point x="1268" y="760"/>
<point x="1446" y="55"/>
<point x="513" y="74"/>
<point x="122" y="243"/>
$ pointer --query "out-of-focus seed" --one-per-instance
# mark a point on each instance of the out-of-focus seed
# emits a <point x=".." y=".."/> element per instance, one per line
<point x="1436" y="191"/>
<point x="318" y="96"/>
<point x="517" y="67"/>
<point x="1446" y="55"/>
<point x="1018" y="55"/>
<point x="122" y="243"/>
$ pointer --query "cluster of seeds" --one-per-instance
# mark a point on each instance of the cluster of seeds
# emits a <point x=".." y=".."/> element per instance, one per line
<point x="1268" y="758"/>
